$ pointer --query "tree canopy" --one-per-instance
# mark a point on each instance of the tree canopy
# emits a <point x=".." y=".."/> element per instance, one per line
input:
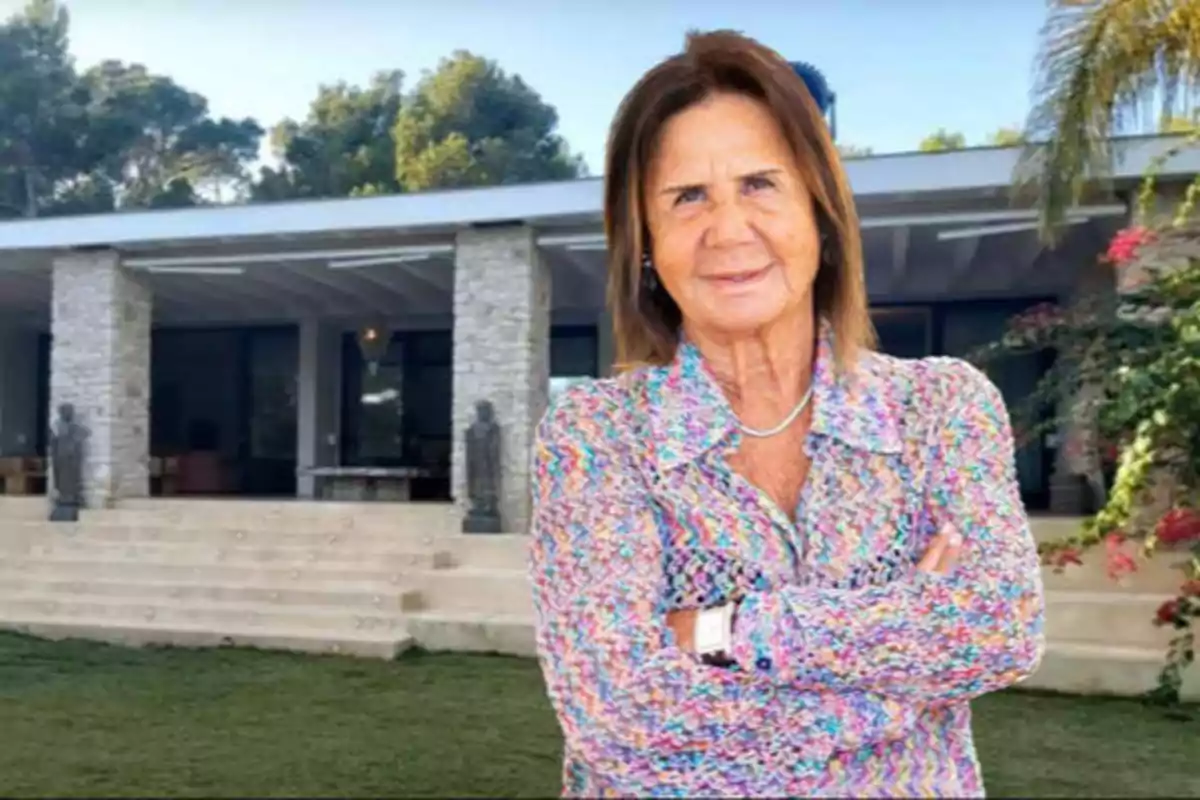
<point x="116" y="135"/>
<point x="113" y="136"/>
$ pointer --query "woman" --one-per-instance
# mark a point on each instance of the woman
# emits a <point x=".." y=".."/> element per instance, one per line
<point x="767" y="560"/>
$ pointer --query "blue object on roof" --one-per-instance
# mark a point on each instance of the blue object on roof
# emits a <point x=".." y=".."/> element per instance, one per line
<point x="818" y="87"/>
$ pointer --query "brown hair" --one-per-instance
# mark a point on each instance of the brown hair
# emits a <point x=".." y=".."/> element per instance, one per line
<point x="646" y="321"/>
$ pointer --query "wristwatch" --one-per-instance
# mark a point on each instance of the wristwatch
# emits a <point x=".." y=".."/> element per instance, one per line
<point x="713" y="635"/>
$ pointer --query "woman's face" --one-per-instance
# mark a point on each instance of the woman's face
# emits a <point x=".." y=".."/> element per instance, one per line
<point x="733" y="235"/>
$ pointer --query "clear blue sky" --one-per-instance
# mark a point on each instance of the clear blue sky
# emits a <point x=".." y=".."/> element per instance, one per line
<point x="901" y="68"/>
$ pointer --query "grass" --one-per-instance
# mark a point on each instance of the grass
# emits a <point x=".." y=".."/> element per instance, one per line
<point x="82" y="719"/>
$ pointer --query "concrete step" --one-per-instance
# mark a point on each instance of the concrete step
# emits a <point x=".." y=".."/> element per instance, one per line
<point x="501" y="551"/>
<point x="1093" y="669"/>
<point x="325" y="594"/>
<point x="315" y="552"/>
<point x="14" y="507"/>
<point x="196" y="533"/>
<point x="471" y="589"/>
<point x="218" y="617"/>
<point x="476" y="633"/>
<point x="381" y="518"/>
<point x="1162" y="573"/>
<point x="267" y="574"/>
<point x="369" y="645"/>
<point x="1112" y="618"/>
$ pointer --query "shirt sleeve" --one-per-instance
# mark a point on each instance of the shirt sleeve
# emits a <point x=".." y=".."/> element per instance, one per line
<point x="651" y="716"/>
<point x="925" y="638"/>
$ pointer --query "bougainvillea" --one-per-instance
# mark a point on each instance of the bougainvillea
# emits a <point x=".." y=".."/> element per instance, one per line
<point x="1126" y="375"/>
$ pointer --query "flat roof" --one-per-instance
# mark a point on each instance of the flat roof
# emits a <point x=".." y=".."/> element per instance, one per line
<point x="900" y="175"/>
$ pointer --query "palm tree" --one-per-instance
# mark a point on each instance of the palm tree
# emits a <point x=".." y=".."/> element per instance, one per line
<point x="1106" y="67"/>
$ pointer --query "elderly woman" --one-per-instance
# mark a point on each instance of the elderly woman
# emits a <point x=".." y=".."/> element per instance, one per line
<point x="767" y="561"/>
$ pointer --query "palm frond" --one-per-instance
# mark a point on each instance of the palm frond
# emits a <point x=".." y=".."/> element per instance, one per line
<point x="1105" y="68"/>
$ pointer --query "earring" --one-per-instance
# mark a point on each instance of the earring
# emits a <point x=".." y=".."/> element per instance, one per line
<point x="826" y="250"/>
<point x="649" y="276"/>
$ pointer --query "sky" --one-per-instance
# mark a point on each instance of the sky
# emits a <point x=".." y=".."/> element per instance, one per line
<point x="901" y="68"/>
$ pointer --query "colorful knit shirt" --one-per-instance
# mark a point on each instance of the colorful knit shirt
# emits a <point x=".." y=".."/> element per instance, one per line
<point x="854" y="671"/>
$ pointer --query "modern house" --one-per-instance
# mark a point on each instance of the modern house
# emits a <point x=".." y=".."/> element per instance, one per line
<point x="337" y="349"/>
<point x="317" y="348"/>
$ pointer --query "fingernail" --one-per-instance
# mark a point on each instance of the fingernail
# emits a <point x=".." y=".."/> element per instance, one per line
<point x="955" y="539"/>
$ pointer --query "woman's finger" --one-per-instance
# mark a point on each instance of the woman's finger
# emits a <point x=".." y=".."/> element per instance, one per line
<point x="950" y="553"/>
<point x="933" y="556"/>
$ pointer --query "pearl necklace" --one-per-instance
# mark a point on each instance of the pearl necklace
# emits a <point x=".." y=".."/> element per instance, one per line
<point x="788" y="420"/>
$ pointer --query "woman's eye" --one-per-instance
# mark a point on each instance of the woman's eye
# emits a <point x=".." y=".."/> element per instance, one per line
<point x="689" y="195"/>
<point x="755" y="183"/>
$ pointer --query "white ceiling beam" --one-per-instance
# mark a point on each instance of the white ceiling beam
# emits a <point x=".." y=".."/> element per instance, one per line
<point x="380" y="261"/>
<point x="596" y="241"/>
<point x="1081" y="213"/>
<point x="976" y="231"/>
<point x="245" y="259"/>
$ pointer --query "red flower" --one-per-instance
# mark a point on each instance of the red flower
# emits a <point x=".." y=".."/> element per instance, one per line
<point x="1125" y="245"/>
<point x="1061" y="559"/>
<point x="1167" y="613"/>
<point x="1178" y="526"/>
<point x="1120" y="563"/>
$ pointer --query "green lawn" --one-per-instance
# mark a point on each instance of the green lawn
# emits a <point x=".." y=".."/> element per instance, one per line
<point x="83" y="719"/>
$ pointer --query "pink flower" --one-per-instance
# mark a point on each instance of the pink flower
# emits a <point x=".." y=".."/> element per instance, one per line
<point x="1120" y="563"/>
<point x="1125" y="245"/>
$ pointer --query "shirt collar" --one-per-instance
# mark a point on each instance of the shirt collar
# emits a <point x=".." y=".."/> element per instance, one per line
<point x="689" y="414"/>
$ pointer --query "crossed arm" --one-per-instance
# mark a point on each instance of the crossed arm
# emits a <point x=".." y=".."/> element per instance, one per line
<point x="933" y="638"/>
<point x="822" y="671"/>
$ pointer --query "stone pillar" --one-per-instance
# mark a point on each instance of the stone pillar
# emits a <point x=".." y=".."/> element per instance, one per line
<point x="100" y="362"/>
<point x="605" y="352"/>
<point x="501" y="354"/>
<point x="1076" y="476"/>
<point x="318" y="402"/>
<point x="18" y="392"/>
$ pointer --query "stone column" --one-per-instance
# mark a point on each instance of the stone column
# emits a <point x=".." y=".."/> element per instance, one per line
<point x="319" y="401"/>
<point x="100" y="362"/>
<point x="18" y="392"/>
<point x="501" y="354"/>
<point x="1076" y="477"/>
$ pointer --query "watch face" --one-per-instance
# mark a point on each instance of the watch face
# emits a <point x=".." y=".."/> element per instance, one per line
<point x="710" y="631"/>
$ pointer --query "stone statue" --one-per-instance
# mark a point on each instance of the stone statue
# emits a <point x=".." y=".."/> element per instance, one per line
<point x="67" y="444"/>
<point x="483" y="472"/>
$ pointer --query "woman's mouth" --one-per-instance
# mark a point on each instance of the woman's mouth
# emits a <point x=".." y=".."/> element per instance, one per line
<point x="738" y="280"/>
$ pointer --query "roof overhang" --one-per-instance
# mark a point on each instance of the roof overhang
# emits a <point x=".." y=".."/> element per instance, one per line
<point x="896" y="178"/>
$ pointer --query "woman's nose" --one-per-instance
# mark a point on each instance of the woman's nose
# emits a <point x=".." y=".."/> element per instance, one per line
<point x="729" y="224"/>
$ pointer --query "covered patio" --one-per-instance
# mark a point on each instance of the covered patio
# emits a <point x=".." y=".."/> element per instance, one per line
<point x="301" y="340"/>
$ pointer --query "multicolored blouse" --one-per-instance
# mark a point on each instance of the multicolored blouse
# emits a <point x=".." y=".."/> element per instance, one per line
<point x="854" y="670"/>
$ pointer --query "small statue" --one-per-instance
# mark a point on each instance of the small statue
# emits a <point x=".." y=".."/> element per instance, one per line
<point x="67" y="440"/>
<point x="483" y="472"/>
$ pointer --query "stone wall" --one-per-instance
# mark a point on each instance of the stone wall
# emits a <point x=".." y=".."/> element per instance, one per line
<point x="100" y="362"/>
<point x="501" y="353"/>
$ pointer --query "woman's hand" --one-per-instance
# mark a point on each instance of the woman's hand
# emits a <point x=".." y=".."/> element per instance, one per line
<point x="683" y="624"/>
<point x="939" y="559"/>
<point x="942" y="554"/>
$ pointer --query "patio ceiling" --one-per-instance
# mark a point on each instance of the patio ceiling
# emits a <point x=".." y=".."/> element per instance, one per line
<point x="913" y="252"/>
<point x="266" y="282"/>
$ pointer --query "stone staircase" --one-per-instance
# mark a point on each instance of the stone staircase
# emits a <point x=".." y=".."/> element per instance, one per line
<point x="375" y="579"/>
<point x="368" y="580"/>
